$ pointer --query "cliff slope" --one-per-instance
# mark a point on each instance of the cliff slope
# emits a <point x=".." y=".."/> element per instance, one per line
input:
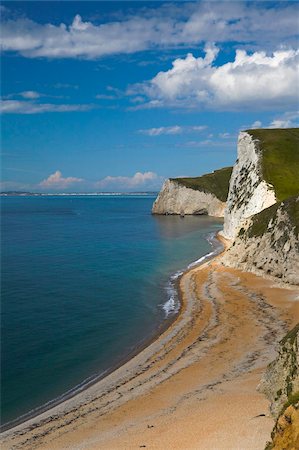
<point x="201" y="195"/>
<point x="280" y="384"/>
<point x="268" y="242"/>
<point x="265" y="172"/>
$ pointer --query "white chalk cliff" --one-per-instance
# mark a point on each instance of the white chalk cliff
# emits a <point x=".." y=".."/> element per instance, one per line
<point x="248" y="191"/>
<point x="262" y="231"/>
<point x="267" y="243"/>
<point x="175" y="198"/>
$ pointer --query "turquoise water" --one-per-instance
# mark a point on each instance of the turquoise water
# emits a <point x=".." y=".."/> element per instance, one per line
<point x="84" y="281"/>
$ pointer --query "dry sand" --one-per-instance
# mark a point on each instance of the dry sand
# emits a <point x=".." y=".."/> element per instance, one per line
<point x="194" y="387"/>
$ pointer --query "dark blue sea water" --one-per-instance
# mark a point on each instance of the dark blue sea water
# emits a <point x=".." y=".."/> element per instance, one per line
<point x="84" y="281"/>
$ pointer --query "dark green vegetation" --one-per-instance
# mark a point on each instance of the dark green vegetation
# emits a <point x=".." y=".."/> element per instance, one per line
<point x="292" y="400"/>
<point x="280" y="162"/>
<point x="290" y="336"/>
<point x="261" y="220"/>
<point x="216" y="183"/>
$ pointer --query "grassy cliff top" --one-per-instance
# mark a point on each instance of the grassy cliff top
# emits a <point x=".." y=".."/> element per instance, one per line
<point x="280" y="162"/>
<point x="216" y="183"/>
<point x="261" y="220"/>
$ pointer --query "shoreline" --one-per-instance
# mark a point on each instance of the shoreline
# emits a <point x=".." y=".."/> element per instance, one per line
<point x="167" y="323"/>
<point x="190" y="362"/>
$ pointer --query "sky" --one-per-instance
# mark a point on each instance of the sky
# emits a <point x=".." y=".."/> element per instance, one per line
<point x="117" y="96"/>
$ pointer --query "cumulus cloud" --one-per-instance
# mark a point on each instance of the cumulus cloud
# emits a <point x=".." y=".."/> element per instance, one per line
<point x="57" y="181"/>
<point x="287" y="120"/>
<point x="256" y="124"/>
<point x="29" y="107"/>
<point x="176" y="129"/>
<point x="280" y="123"/>
<point x="169" y="26"/>
<point x="144" y="181"/>
<point x="250" y="79"/>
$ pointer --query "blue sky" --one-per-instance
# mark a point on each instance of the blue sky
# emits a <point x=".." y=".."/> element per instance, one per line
<point x="118" y="96"/>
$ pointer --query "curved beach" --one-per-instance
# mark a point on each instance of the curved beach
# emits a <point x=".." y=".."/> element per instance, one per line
<point x="192" y="388"/>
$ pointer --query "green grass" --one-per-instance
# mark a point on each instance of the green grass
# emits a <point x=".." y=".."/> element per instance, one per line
<point x="261" y="220"/>
<point x="292" y="207"/>
<point x="292" y="400"/>
<point x="291" y="336"/>
<point x="216" y="183"/>
<point x="280" y="162"/>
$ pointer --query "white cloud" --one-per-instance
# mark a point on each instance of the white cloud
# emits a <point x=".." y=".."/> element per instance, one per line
<point x="32" y="95"/>
<point x="106" y="97"/>
<point x="176" y="129"/>
<point x="224" y="135"/>
<point x="199" y="128"/>
<point x="28" y="107"/>
<point x="280" y="124"/>
<point x="65" y="86"/>
<point x="114" y="94"/>
<point x="207" y="143"/>
<point x="253" y="80"/>
<point x="165" y="26"/>
<point x="57" y="181"/>
<point x="256" y="124"/>
<point x="144" y="181"/>
<point x="287" y="120"/>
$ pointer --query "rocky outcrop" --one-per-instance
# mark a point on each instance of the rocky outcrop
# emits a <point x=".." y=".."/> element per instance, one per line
<point x="280" y="384"/>
<point x="285" y="435"/>
<point x="199" y="195"/>
<point x="268" y="243"/>
<point x="174" y="198"/>
<point x="249" y="193"/>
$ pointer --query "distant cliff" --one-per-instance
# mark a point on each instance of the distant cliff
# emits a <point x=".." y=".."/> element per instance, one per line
<point x="280" y="384"/>
<point x="266" y="171"/>
<point x="201" y="195"/>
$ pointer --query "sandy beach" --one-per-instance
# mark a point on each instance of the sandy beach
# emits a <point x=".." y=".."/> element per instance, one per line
<point x="192" y="388"/>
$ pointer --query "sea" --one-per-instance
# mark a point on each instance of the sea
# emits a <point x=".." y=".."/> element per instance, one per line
<point x="86" y="282"/>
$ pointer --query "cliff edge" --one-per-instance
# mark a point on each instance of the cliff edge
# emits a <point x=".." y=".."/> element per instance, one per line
<point x="265" y="172"/>
<point x="201" y="195"/>
<point x="262" y="215"/>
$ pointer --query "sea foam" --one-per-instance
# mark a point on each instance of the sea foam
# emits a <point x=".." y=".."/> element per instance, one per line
<point x="172" y="305"/>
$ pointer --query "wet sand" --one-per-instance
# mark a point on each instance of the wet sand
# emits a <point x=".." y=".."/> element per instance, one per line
<point x="192" y="388"/>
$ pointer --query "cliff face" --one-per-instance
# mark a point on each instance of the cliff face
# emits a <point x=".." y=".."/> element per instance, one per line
<point x="175" y="198"/>
<point x="262" y="214"/>
<point x="280" y="384"/>
<point x="268" y="243"/>
<point x="266" y="171"/>
<point x="200" y="195"/>
<point x="248" y="193"/>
